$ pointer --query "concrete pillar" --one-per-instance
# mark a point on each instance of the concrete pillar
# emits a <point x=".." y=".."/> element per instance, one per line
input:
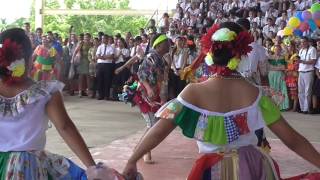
<point x="39" y="4"/>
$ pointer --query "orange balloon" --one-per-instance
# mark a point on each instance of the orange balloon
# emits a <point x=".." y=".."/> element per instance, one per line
<point x="318" y="23"/>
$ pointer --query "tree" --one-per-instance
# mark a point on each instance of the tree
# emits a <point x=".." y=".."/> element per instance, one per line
<point x="93" y="24"/>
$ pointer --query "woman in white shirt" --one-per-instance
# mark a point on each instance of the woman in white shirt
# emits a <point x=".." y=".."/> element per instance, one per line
<point x="179" y="56"/>
<point x="122" y="53"/>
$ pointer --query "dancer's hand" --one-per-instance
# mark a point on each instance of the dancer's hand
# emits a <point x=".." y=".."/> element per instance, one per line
<point x="130" y="171"/>
<point x="117" y="71"/>
<point x="150" y="93"/>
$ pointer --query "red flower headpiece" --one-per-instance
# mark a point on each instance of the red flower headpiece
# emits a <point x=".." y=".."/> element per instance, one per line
<point x="240" y="45"/>
<point x="10" y="52"/>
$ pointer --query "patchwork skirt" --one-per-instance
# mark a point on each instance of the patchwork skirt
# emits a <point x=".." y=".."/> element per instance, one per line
<point x="245" y="163"/>
<point x="38" y="165"/>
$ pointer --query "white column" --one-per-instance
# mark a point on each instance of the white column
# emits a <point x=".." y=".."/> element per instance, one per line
<point x="39" y="4"/>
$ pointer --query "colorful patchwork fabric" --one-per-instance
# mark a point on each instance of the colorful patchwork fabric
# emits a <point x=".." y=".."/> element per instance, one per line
<point x="218" y="129"/>
<point x="38" y="165"/>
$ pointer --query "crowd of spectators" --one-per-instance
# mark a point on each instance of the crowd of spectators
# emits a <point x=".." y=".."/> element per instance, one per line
<point x="97" y="59"/>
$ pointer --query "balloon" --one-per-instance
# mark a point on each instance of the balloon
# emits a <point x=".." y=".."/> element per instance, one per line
<point x="294" y="22"/>
<point x="315" y="7"/>
<point x="318" y="23"/>
<point x="304" y="26"/>
<point x="316" y="15"/>
<point x="306" y="15"/>
<point x="299" y="15"/>
<point x="312" y="25"/>
<point x="298" y="32"/>
<point x="287" y="31"/>
<point x="280" y="33"/>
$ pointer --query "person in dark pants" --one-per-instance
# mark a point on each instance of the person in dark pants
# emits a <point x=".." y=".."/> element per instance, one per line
<point x="105" y="67"/>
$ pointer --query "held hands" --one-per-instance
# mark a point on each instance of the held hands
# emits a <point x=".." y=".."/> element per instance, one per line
<point x="150" y="93"/>
<point x="101" y="171"/>
<point x="130" y="171"/>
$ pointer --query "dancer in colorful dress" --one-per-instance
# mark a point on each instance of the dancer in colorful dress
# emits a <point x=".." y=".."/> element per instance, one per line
<point x="276" y="75"/>
<point x="292" y="59"/>
<point x="151" y="75"/>
<point x="44" y="58"/>
<point x="25" y="107"/>
<point x="222" y="114"/>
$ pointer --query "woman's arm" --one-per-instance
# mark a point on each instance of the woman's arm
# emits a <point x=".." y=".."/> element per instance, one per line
<point x="127" y="64"/>
<point x="76" y="51"/>
<point x="296" y="142"/>
<point x="318" y="73"/>
<point x="185" y="59"/>
<point x="152" y="139"/>
<point x="67" y="130"/>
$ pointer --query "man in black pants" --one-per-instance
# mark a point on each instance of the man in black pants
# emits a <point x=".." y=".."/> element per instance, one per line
<point x="105" y="67"/>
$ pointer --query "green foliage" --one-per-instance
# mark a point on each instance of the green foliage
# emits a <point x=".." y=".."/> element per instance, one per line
<point x="93" y="24"/>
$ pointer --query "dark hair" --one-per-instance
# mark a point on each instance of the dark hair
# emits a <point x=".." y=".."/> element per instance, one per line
<point x="19" y="36"/>
<point x="88" y="34"/>
<point x="245" y="23"/>
<point x="222" y="56"/>
<point x="39" y="29"/>
<point x="123" y="41"/>
<point x="138" y="38"/>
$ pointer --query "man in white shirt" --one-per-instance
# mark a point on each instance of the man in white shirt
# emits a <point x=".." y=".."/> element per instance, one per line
<point x="237" y="4"/>
<point x="227" y="6"/>
<point x="308" y="57"/>
<point x="250" y="4"/>
<point x="105" y="67"/>
<point x="269" y="29"/>
<point x="253" y="66"/>
<point x="284" y="17"/>
<point x="302" y="4"/>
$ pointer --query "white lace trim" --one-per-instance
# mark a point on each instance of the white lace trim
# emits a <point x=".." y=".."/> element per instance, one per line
<point x="16" y="105"/>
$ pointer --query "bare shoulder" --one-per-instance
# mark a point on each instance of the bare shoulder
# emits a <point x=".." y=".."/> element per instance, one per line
<point x="190" y="92"/>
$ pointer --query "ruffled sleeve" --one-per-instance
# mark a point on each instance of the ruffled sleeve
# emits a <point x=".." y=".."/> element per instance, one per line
<point x="269" y="110"/>
<point x="41" y="90"/>
<point x="181" y="116"/>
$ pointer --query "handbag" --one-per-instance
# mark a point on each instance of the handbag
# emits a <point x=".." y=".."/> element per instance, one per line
<point x="76" y="59"/>
<point x="72" y="72"/>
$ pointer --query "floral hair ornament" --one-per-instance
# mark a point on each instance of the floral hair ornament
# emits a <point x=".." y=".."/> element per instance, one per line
<point x="12" y="64"/>
<point x="224" y="34"/>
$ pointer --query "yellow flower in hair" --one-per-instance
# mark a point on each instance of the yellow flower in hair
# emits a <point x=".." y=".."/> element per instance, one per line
<point x="233" y="63"/>
<point x="17" y="68"/>
<point x="224" y="34"/>
<point x="209" y="59"/>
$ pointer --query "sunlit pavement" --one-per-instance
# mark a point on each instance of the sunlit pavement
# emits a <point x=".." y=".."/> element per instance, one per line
<point x="112" y="130"/>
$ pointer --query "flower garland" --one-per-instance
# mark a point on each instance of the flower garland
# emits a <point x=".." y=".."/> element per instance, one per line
<point x="219" y="38"/>
<point x="12" y="65"/>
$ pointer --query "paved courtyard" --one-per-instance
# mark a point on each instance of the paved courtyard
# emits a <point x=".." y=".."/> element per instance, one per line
<point x="112" y="129"/>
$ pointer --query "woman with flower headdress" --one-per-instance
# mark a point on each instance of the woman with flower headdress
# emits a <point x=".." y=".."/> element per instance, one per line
<point x="222" y="114"/>
<point x="292" y="74"/>
<point x="25" y="107"/>
<point x="276" y="75"/>
<point x="44" y="58"/>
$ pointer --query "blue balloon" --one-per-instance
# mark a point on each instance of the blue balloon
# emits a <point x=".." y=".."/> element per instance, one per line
<point x="298" y="32"/>
<point x="299" y="15"/>
<point x="312" y="25"/>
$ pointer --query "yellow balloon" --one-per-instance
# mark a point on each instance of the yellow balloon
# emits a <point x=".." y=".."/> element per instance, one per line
<point x="294" y="22"/>
<point x="287" y="31"/>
